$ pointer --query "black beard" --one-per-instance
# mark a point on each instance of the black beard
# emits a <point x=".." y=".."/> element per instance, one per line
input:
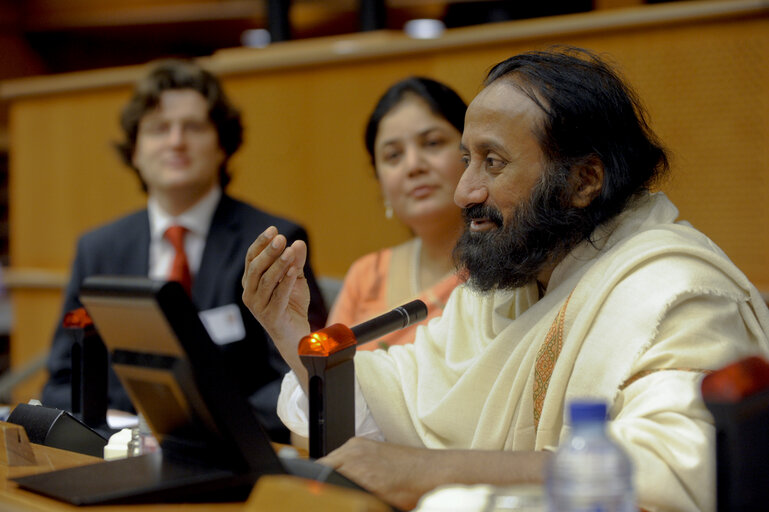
<point x="540" y="232"/>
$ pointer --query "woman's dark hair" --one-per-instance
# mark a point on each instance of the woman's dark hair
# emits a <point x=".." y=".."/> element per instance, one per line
<point x="589" y="113"/>
<point x="174" y="74"/>
<point x="441" y="99"/>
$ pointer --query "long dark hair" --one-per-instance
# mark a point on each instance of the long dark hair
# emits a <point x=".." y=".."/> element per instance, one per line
<point x="589" y="113"/>
<point x="441" y="99"/>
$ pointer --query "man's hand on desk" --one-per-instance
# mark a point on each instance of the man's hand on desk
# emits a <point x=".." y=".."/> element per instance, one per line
<point x="400" y="475"/>
<point x="397" y="474"/>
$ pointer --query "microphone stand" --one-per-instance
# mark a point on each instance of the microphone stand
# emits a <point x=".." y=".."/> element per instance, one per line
<point x="328" y="355"/>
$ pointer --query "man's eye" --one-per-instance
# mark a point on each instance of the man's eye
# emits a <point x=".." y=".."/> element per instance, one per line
<point x="154" y="128"/>
<point x="494" y="163"/>
<point x="465" y="160"/>
<point x="196" y="126"/>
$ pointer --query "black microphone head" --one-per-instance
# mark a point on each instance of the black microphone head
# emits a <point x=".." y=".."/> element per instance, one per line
<point x="412" y="312"/>
<point x="398" y="318"/>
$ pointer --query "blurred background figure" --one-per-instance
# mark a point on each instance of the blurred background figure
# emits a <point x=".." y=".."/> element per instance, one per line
<point x="413" y="138"/>
<point x="180" y="132"/>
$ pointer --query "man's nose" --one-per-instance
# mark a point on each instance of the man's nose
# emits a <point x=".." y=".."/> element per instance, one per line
<point x="471" y="189"/>
<point x="176" y="135"/>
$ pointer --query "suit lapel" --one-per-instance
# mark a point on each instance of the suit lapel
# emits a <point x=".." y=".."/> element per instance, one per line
<point x="223" y="237"/>
<point x="136" y="247"/>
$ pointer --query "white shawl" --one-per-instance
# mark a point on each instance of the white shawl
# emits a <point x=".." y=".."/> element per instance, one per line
<point x="469" y="380"/>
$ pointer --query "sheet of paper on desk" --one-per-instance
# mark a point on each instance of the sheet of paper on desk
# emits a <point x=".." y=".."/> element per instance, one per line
<point x="483" y="498"/>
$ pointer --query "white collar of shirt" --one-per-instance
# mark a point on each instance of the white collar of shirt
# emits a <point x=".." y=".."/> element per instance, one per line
<point x="197" y="220"/>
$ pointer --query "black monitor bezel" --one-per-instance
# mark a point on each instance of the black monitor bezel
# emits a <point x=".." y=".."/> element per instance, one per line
<point x="223" y="428"/>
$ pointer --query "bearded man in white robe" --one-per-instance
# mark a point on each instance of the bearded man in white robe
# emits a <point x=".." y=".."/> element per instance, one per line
<point x="581" y="284"/>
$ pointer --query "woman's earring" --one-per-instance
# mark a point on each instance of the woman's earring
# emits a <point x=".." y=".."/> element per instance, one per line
<point x="388" y="210"/>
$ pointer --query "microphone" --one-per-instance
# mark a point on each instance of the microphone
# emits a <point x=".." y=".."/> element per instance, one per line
<point x="400" y="317"/>
<point x="328" y="355"/>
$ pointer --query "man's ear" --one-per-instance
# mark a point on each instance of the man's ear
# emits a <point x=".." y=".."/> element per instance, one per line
<point x="587" y="178"/>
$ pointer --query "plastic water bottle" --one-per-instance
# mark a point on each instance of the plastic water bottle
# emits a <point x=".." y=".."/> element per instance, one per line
<point x="589" y="472"/>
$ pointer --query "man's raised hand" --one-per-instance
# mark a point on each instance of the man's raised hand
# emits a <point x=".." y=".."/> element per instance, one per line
<point x="276" y="291"/>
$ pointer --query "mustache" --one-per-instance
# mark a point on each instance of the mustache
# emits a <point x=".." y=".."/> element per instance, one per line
<point x="482" y="211"/>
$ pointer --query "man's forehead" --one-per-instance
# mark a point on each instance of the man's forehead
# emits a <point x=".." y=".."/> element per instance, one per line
<point x="187" y="102"/>
<point x="506" y="98"/>
<point x="502" y="109"/>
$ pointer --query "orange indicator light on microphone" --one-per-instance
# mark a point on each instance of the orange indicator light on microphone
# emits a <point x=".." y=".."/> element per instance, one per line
<point x="327" y="341"/>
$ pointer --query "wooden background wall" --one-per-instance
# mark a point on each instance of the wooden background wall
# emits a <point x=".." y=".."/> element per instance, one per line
<point x="700" y="67"/>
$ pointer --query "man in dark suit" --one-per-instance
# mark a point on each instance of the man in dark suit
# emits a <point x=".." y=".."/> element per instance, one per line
<point x="180" y="131"/>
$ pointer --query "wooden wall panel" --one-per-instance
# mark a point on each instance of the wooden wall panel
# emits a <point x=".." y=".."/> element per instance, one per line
<point x="35" y="311"/>
<point x="709" y="101"/>
<point x="65" y="175"/>
<point x="702" y="78"/>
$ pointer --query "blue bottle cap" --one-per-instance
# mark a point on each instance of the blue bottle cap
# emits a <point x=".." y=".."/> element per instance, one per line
<point x="587" y="411"/>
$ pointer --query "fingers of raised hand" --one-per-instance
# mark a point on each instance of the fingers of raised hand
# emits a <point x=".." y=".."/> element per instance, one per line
<point x="266" y="264"/>
<point x="261" y="255"/>
<point x="270" y="277"/>
<point x="257" y="248"/>
<point x="299" y="249"/>
<point x="281" y="277"/>
<point x="261" y="242"/>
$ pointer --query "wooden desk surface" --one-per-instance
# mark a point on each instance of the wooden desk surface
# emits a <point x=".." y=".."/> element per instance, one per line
<point x="49" y="459"/>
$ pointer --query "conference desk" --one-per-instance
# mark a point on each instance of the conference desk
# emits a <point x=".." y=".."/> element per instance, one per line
<point x="50" y="459"/>
<point x="275" y="493"/>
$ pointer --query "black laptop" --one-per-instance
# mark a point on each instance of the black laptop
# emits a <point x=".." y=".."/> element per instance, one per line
<point x="213" y="447"/>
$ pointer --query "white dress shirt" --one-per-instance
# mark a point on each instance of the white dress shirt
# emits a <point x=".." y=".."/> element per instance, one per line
<point x="197" y="220"/>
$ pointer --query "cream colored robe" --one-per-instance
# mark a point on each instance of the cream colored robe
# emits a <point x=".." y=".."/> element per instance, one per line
<point x="654" y="301"/>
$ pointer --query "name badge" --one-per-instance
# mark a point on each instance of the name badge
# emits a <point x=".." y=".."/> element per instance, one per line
<point x="224" y="324"/>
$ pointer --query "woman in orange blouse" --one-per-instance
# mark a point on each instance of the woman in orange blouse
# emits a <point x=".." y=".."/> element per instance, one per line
<point x="413" y="138"/>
